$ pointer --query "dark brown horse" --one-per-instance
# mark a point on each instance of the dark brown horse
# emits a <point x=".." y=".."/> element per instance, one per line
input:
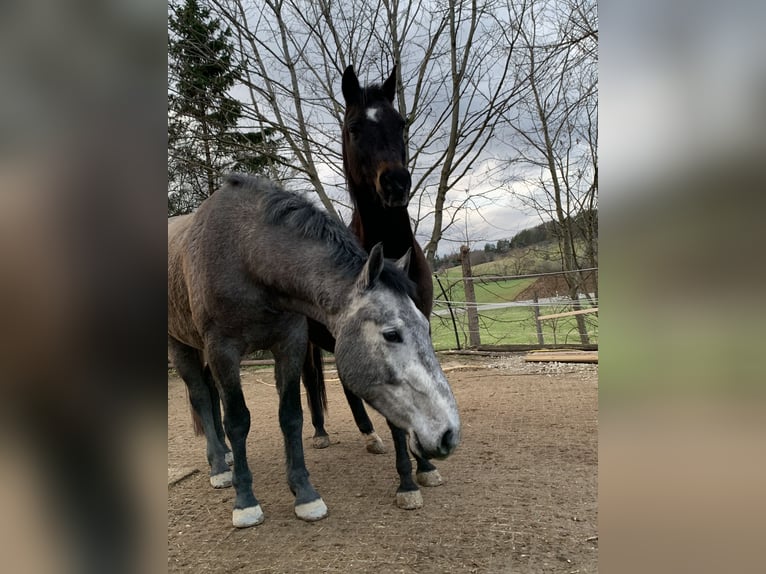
<point x="374" y="161"/>
<point x="227" y="297"/>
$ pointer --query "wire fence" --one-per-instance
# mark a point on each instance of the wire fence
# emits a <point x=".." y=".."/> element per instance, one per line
<point x="513" y="310"/>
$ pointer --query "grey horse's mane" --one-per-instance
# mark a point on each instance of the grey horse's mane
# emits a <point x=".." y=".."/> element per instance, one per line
<point x="288" y="209"/>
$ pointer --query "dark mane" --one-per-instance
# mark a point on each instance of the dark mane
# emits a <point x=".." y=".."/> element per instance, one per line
<point x="288" y="209"/>
<point x="399" y="281"/>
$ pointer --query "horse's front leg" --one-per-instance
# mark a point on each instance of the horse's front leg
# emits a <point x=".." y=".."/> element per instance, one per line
<point x="426" y="473"/>
<point x="308" y="504"/>
<point x="408" y="494"/>
<point x="373" y="442"/>
<point x="224" y="364"/>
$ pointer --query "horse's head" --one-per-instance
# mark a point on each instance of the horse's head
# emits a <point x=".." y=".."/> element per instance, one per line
<point x="384" y="355"/>
<point x="374" y="153"/>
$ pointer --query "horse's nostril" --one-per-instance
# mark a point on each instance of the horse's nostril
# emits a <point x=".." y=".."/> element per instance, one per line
<point x="448" y="443"/>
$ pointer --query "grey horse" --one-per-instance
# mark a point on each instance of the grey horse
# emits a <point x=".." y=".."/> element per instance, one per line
<point x="244" y="273"/>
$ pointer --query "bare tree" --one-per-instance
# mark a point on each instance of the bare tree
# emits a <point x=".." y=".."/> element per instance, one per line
<point x="479" y="86"/>
<point x="455" y="78"/>
<point x="556" y="128"/>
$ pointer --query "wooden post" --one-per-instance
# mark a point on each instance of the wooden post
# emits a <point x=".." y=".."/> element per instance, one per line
<point x="538" y="325"/>
<point x="470" y="298"/>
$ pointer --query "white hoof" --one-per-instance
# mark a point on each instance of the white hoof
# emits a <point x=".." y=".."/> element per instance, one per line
<point x="409" y="500"/>
<point x="430" y="478"/>
<point x="321" y="442"/>
<point x="374" y="444"/>
<point x="311" y="511"/>
<point x="244" y="517"/>
<point x="222" y="480"/>
<point x="229" y="458"/>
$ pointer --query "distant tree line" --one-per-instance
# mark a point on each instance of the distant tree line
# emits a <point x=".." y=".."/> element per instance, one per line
<point x="544" y="233"/>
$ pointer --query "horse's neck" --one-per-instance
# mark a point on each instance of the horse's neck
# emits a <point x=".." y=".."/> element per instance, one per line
<point x="309" y="283"/>
<point x="372" y="224"/>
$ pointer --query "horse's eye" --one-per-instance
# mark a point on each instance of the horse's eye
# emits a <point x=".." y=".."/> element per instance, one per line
<point x="392" y="336"/>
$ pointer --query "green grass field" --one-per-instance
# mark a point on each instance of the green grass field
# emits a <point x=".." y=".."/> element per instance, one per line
<point x="509" y="326"/>
<point x="504" y="326"/>
<point x="485" y="291"/>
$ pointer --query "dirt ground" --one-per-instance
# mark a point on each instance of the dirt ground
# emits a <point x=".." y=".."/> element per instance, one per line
<point x="519" y="494"/>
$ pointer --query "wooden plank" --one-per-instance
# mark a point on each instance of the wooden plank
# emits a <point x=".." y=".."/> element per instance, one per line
<point x="569" y="313"/>
<point x="563" y="357"/>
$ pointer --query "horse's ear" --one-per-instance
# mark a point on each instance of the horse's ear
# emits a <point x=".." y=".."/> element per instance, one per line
<point x="389" y="86"/>
<point x="403" y="263"/>
<point x="372" y="268"/>
<point x="350" y="86"/>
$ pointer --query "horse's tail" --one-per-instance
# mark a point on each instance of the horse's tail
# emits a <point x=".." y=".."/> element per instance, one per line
<point x="313" y="380"/>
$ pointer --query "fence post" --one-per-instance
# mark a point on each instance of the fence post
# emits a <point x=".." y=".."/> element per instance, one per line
<point x="470" y="298"/>
<point x="538" y="325"/>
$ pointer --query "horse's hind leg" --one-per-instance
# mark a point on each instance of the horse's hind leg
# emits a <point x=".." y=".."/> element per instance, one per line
<point x="308" y="504"/>
<point x="313" y="381"/>
<point x="204" y="403"/>
<point x="223" y="358"/>
<point x="374" y="444"/>
<point x="215" y="401"/>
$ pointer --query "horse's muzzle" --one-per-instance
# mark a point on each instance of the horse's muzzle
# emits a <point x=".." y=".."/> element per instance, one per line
<point x="446" y="445"/>
<point x="394" y="187"/>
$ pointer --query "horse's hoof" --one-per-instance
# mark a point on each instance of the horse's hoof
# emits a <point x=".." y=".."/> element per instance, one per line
<point x="244" y="517"/>
<point x="430" y="478"/>
<point x="311" y="511"/>
<point x="374" y="444"/>
<point x="321" y="441"/>
<point x="221" y="480"/>
<point x="229" y="458"/>
<point x="409" y="500"/>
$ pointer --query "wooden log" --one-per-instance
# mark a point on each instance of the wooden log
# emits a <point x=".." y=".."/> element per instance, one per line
<point x="569" y="313"/>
